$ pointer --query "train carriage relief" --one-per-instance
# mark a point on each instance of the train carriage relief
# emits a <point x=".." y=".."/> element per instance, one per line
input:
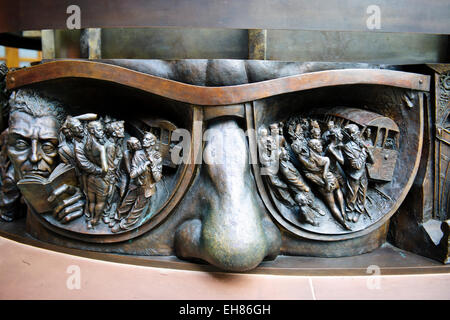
<point x="379" y="131"/>
<point x="162" y="129"/>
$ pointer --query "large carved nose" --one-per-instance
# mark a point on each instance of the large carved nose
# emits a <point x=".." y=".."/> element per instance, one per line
<point x="35" y="155"/>
<point x="233" y="231"/>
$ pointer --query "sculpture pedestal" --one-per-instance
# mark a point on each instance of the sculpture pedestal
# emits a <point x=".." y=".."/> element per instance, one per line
<point x="30" y="272"/>
<point x="345" y="146"/>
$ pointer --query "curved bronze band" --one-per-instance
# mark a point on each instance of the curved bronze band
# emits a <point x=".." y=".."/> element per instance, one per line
<point x="212" y="96"/>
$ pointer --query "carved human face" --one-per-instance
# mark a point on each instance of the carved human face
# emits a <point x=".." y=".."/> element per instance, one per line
<point x="118" y="129"/>
<point x="315" y="145"/>
<point x="76" y="127"/>
<point x="133" y="144"/>
<point x="284" y="155"/>
<point x="298" y="129"/>
<point x="67" y="133"/>
<point x="271" y="143"/>
<point x="336" y="135"/>
<point x="32" y="144"/>
<point x="302" y="199"/>
<point x="96" y="129"/>
<point x="354" y="132"/>
<point x="315" y="132"/>
<point x="275" y="131"/>
<point x="263" y="132"/>
<point x="148" y="141"/>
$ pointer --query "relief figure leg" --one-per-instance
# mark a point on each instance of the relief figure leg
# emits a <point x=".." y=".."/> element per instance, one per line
<point x="329" y="200"/>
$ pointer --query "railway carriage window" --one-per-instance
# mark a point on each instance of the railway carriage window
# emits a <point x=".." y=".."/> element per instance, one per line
<point x="164" y="136"/>
<point x="369" y="135"/>
<point x="380" y="137"/>
<point x="391" y="142"/>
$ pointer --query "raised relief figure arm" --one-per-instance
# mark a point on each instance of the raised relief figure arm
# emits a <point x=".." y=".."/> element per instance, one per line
<point x="336" y="154"/>
<point x="326" y="166"/>
<point x="370" y="158"/>
<point x="139" y="166"/>
<point x="357" y="159"/>
<point x="103" y="159"/>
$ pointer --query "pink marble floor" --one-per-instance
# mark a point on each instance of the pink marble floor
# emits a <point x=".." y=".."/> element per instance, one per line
<point x="28" y="272"/>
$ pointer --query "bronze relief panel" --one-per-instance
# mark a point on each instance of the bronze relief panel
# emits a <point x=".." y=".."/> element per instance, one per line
<point x="105" y="154"/>
<point x="91" y="176"/>
<point x="337" y="168"/>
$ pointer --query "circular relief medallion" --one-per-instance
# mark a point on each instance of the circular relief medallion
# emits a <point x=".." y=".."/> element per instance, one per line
<point x="333" y="173"/>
